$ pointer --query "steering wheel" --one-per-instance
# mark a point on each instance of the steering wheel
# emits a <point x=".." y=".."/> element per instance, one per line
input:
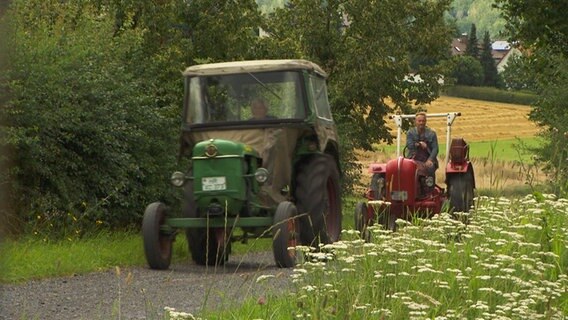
<point x="405" y="150"/>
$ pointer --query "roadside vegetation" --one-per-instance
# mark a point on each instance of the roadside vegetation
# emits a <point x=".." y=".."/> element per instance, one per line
<point x="510" y="261"/>
<point x="40" y="255"/>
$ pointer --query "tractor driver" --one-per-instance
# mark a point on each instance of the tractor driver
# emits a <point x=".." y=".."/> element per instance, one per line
<point x="422" y="145"/>
<point x="259" y="110"/>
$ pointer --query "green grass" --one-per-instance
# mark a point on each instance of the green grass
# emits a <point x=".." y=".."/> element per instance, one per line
<point x="509" y="262"/>
<point x="504" y="150"/>
<point x="32" y="258"/>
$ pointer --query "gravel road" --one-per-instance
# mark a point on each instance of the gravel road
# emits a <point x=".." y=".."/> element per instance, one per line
<point x="141" y="293"/>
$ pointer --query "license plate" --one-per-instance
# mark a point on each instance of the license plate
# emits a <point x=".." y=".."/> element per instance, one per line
<point x="399" y="195"/>
<point x="213" y="183"/>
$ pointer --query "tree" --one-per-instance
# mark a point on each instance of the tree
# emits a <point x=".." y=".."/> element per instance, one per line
<point x="472" y="48"/>
<point x="540" y="23"/>
<point x="367" y="49"/>
<point x="93" y="94"/>
<point x="491" y="77"/>
<point x="519" y="73"/>
<point x="550" y="113"/>
<point x="542" y="28"/>
<point x="480" y="12"/>
<point x="466" y="70"/>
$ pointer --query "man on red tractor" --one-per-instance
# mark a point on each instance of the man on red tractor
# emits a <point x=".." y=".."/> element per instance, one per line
<point x="422" y="146"/>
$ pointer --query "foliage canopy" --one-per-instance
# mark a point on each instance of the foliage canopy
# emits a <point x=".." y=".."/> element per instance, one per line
<point x="93" y="88"/>
<point x="542" y="28"/>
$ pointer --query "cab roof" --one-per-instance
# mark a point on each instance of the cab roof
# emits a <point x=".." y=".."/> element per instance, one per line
<point x="252" y="66"/>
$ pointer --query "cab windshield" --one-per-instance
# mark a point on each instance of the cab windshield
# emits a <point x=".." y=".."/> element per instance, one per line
<point x="223" y="98"/>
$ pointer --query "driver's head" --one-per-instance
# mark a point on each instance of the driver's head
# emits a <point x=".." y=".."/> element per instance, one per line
<point x="259" y="109"/>
<point x="420" y="121"/>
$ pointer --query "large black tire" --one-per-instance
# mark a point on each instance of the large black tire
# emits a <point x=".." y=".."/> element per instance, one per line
<point x="285" y="234"/>
<point x="157" y="243"/>
<point x="202" y="243"/>
<point x="460" y="190"/>
<point x="318" y="199"/>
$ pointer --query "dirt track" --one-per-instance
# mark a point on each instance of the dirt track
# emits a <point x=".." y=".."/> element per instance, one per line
<point x="142" y="293"/>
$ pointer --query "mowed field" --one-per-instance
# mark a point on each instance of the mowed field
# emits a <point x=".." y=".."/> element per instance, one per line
<point x="482" y="120"/>
<point x="479" y="121"/>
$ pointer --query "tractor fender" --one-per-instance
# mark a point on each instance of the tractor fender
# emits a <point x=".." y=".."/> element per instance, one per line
<point x="466" y="168"/>
<point x="460" y="167"/>
<point x="378" y="168"/>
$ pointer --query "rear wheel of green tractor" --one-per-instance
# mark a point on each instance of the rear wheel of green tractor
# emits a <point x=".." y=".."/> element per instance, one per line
<point x="204" y="246"/>
<point x="285" y="234"/>
<point x="460" y="189"/>
<point x="157" y="242"/>
<point x="318" y="200"/>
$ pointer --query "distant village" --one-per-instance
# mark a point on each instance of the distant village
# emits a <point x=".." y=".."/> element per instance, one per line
<point x="501" y="51"/>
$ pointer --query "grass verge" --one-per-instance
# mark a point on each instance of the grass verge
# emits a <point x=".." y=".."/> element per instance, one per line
<point x="31" y="258"/>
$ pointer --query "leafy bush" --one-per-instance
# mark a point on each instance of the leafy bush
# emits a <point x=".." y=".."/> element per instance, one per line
<point x="82" y="124"/>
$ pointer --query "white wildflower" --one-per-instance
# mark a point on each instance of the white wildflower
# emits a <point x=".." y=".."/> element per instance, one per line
<point x="264" y="277"/>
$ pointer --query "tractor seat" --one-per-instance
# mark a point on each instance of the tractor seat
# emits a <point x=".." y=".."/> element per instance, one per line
<point x="459" y="150"/>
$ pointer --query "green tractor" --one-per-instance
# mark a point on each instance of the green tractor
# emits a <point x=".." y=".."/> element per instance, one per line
<point x="264" y="162"/>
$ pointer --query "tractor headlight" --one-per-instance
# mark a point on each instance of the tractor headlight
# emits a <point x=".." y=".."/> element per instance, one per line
<point x="178" y="179"/>
<point x="377" y="182"/>
<point x="261" y="175"/>
<point x="429" y="181"/>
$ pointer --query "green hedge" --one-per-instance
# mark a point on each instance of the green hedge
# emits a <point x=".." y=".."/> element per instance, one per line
<point x="490" y="94"/>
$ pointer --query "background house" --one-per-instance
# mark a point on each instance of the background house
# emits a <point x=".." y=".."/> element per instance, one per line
<point x="501" y="50"/>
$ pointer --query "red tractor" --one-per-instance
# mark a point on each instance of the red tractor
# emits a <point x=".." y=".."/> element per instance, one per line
<point x="398" y="190"/>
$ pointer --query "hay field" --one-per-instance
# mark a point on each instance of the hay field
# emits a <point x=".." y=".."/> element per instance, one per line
<point x="479" y="121"/>
<point x="482" y="120"/>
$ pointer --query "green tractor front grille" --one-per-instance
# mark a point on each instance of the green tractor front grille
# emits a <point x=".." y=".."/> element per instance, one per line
<point x="221" y="176"/>
<point x="219" y="181"/>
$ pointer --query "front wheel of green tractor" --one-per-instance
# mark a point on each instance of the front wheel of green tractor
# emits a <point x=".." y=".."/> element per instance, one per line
<point x="207" y="246"/>
<point x="157" y="242"/>
<point x="318" y="199"/>
<point x="285" y="235"/>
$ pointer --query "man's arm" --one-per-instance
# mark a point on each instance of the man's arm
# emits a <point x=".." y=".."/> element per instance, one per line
<point x="411" y="140"/>
<point x="433" y="146"/>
